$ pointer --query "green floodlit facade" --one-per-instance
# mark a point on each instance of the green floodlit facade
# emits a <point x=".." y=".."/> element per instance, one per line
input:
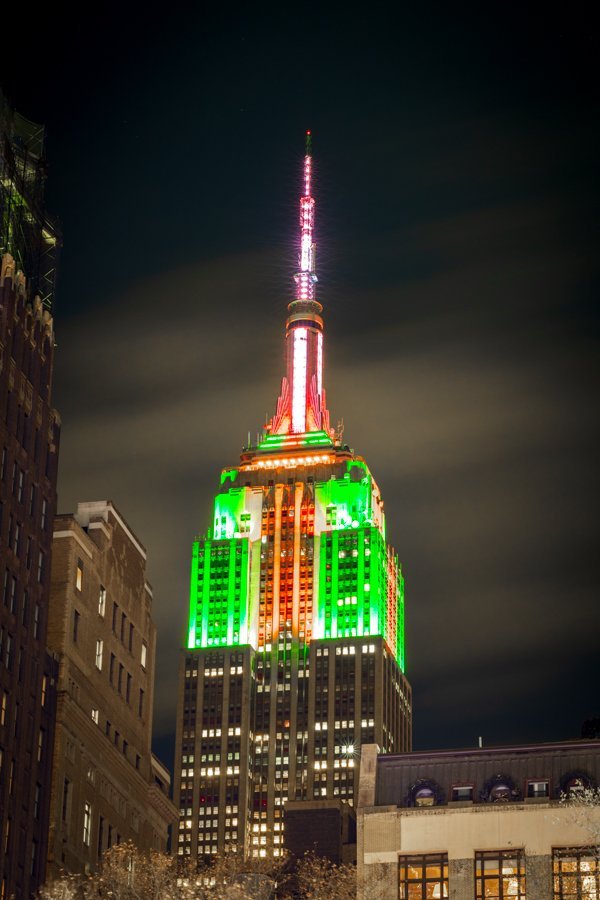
<point x="358" y="589"/>
<point x="295" y="652"/>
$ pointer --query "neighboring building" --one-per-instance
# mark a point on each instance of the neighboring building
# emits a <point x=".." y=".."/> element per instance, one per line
<point x="106" y="785"/>
<point x="467" y="824"/>
<point x="29" y="439"/>
<point x="295" y="650"/>
<point x="323" y="827"/>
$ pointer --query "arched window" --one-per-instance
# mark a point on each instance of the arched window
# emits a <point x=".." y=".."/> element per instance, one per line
<point x="424" y="797"/>
<point x="425" y="792"/>
<point x="575" y="782"/>
<point x="500" y="788"/>
<point x="500" y="793"/>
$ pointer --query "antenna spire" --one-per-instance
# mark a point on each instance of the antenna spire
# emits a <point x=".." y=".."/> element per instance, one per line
<point x="306" y="277"/>
<point x="301" y="407"/>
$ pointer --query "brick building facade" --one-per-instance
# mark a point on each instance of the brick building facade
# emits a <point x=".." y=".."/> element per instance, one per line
<point x="107" y="787"/>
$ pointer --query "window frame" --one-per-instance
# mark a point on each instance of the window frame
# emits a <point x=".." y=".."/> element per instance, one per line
<point x="499" y="856"/>
<point x="422" y="861"/>
<point x="578" y="854"/>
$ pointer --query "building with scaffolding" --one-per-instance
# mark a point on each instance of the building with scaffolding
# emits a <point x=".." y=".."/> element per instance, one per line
<point x="295" y="649"/>
<point x="26" y="230"/>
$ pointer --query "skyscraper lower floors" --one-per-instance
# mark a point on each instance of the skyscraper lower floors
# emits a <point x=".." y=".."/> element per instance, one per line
<point x="258" y="728"/>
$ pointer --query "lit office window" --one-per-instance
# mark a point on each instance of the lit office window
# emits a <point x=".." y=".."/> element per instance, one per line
<point x="576" y="873"/>
<point x="79" y="575"/>
<point x="423" y="876"/>
<point x="499" y="874"/>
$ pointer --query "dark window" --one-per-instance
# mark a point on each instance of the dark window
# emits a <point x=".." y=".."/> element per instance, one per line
<point x="76" y="618"/>
<point x="462" y="792"/>
<point x="65" y="800"/>
<point x="100" y="835"/>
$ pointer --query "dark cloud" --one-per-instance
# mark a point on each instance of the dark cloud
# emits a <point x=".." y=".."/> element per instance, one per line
<point x="477" y="421"/>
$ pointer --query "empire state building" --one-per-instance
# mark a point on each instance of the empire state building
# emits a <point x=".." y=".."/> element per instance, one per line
<point x="295" y="648"/>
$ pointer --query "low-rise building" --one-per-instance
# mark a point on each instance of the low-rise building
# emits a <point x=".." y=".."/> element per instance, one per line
<point x="479" y="823"/>
<point x="107" y="787"/>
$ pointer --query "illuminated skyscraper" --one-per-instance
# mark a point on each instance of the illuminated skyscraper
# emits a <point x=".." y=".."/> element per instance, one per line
<point x="295" y="651"/>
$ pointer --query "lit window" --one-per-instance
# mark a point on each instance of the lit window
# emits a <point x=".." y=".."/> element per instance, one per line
<point x="95" y="715"/>
<point x="102" y="601"/>
<point x="462" y="793"/>
<point x="576" y="873"/>
<point x="500" y="874"/>
<point x="537" y="789"/>
<point x="79" y="575"/>
<point x="99" y="653"/>
<point x="143" y="655"/>
<point x="87" y="823"/>
<point x="423" y="876"/>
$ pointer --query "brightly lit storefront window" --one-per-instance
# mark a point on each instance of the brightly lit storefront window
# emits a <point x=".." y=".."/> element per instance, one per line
<point x="423" y="877"/>
<point x="576" y="873"/>
<point x="499" y="874"/>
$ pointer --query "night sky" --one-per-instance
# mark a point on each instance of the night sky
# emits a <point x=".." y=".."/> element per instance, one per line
<point x="456" y="183"/>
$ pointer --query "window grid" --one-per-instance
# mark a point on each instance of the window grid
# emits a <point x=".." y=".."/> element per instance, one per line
<point x="499" y="874"/>
<point x="423" y="876"/>
<point x="576" y="873"/>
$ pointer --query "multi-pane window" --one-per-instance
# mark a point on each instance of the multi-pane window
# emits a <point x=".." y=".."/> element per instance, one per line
<point x="537" y="789"/>
<point x="423" y="876"/>
<point x="87" y="823"/>
<point x="499" y="874"/>
<point x="576" y="873"/>
<point x="99" y="653"/>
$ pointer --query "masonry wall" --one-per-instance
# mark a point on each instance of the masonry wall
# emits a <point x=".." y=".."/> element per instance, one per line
<point x="29" y="438"/>
<point x="387" y="832"/>
<point x="104" y="785"/>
